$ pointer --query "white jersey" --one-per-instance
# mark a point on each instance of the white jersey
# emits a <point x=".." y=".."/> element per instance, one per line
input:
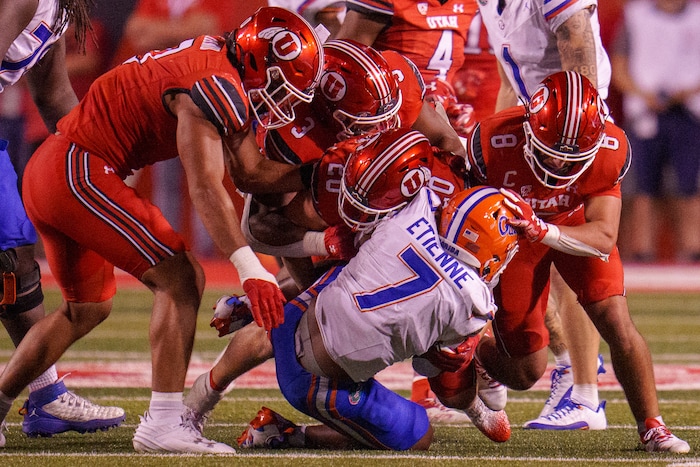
<point x="32" y="43"/>
<point x="400" y="295"/>
<point x="523" y="37"/>
<point x="306" y="8"/>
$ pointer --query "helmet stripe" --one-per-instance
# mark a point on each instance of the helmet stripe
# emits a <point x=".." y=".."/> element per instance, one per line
<point x="464" y="209"/>
<point x="367" y="63"/>
<point x="574" y="97"/>
<point x="385" y="158"/>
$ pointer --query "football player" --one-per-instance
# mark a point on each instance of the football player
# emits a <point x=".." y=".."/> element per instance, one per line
<point x="346" y="324"/>
<point x="195" y="101"/>
<point x="531" y="41"/>
<point x="562" y="162"/>
<point x="32" y="45"/>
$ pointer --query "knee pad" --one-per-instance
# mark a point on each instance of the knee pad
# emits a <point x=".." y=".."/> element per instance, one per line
<point x="28" y="294"/>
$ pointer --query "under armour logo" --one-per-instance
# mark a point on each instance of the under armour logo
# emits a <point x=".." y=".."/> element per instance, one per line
<point x="458" y="8"/>
<point x="108" y="170"/>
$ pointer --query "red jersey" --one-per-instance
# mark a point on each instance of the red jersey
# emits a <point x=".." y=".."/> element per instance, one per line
<point x="497" y="159"/>
<point x="127" y="105"/>
<point x="307" y="138"/>
<point x="431" y="33"/>
<point x="477" y="82"/>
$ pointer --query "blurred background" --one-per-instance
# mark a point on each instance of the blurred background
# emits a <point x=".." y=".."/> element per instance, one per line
<point x="652" y="228"/>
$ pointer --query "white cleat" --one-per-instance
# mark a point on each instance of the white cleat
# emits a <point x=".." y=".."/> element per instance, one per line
<point x="439" y="414"/>
<point x="658" y="438"/>
<point x="174" y="438"/>
<point x="493" y="393"/>
<point x="3" y="429"/>
<point x="200" y="401"/>
<point x="571" y="416"/>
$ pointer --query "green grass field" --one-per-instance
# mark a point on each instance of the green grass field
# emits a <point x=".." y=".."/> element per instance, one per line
<point x="671" y="324"/>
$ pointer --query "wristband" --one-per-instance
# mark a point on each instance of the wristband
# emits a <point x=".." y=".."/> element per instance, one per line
<point x="248" y="266"/>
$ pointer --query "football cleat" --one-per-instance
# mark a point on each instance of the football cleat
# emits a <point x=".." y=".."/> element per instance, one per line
<point x="658" y="438"/>
<point x="562" y="384"/>
<point x="3" y="429"/>
<point x="270" y="430"/>
<point x="54" y="409"/>
<point x="493" y="393"/>
<point x="231" y="313"/>
<point x="571" y="416"/>
<point x="493" y="423"/>
<point x="180" y="438"/>
<point x="440" y="414"/>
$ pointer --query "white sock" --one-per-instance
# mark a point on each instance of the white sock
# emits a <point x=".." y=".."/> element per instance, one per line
<point x="47" y="378"/>
<point x="5" y="405"/>
<point x="564" y="359"/>
<point x="166" y="407"/>
<point x="586" y="394"/>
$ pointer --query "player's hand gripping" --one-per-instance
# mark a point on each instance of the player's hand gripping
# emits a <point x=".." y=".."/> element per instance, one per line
<point x="527" y="221"/>
<point x="340" y="242"/>
<point x="265" y="297"/>
<point x="453" y="359"/>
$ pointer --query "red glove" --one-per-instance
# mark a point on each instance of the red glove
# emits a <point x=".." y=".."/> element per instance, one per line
<point x="461" y="118"/>
<point x="340" y="242"/>
<point x="529" y="224"/>
<point x="450" y="360"/>
<point x="266" y="302"/>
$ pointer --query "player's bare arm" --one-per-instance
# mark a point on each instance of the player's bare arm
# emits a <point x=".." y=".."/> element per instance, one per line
<point x="14" y="16"/>
<point x="201" y="154"/>
<point x="506" y="94"/>
<point x="602" y="223"/>
<point x="251" y="172"/>
<point x="438" y="131"/>
<point x="576" y="44"/>
<point x="50" y="85"/>
<point x="360" y="28"/>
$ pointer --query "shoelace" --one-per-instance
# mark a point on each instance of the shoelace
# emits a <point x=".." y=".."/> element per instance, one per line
<point x="557" y="375"/>
<point x="493" y="384"/>
<point x="660" y="433"/>
<point x="563" y="411"/>
<point x="74" y="400"/>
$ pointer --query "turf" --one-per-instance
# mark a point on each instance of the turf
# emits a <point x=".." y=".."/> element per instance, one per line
<point x="670" y="322"/>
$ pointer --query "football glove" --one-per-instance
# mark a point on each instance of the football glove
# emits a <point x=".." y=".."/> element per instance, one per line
<point x="340" y="242"/>
<point x="450" y="359"/>
<point x="527" y="222"/>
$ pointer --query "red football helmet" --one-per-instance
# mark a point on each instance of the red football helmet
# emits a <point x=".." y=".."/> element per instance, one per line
<point x="279" y="58"/>
<point x="564" y="128"/>
<point x="382" y="175"/>
<point x="357" y="89"/>
<point x="474" y="228"/>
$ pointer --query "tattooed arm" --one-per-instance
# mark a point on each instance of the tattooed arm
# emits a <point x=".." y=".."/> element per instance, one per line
<point x="577" y="46"/>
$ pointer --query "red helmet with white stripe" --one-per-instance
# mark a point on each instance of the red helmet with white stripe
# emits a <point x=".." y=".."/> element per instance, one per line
<point x="382" y="175"/>
<point x="280" y="59"/>
<point x="564" y="128"/>
<point x="357" y="90"/>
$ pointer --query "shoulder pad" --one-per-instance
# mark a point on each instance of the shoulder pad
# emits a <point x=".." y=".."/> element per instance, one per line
<point x="222" y="101"/>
